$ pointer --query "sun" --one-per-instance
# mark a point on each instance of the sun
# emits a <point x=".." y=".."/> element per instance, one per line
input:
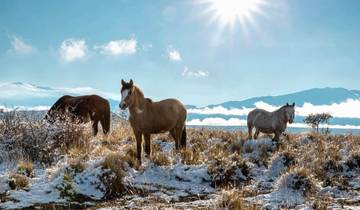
<point x="230" y="13"/>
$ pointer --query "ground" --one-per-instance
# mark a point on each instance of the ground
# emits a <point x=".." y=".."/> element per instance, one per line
<point x="64" y="166"/>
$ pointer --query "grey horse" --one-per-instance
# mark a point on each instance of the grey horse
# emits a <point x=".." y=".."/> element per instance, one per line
<point x="270" y="122"/>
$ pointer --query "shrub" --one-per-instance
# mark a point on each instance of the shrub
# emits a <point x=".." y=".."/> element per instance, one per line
<point x="130" y="157"/>
<point x="234" y="200"/>
<point x="77" y="165"/>
<point x="18" y="181"/>
<point x="113" y="176"/>
<point x="66" y="188"/>
<point x="25" y="168"/>
<point x="297" y="179"/>
<point x="353" y="161"/>
<point x="161" y="159"/>
<point x="190" y="156"/>
<point x="228" y="169"/>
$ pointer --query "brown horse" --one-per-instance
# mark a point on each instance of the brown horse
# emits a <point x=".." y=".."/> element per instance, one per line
<point x="270" y="122"/>
<point x="148" y="117"/>
<point x="82" y="109"/>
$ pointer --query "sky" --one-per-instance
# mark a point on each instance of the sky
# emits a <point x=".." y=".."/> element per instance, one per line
<point x="201" y="52"/>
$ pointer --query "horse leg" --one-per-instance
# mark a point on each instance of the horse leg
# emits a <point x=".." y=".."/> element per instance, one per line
<point x="250" y="131"/>
<point x="147" y="144"/>
<point x="277" y="136"/>
<point x="105" y="124"/>
<point x="183" y="138"/>
<point x="256" y="133"/>
<point x="172" y="133"/>
<point x="138" y="137"/>
<point x="177" y="132"/>
<point x="95" y="127"/>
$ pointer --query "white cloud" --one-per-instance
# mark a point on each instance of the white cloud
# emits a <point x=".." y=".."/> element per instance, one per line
<point x="73" y="49"/>
<point x="146" y="47"/>
<point x="118" y="47"/>
<point x="174" y="54"/>
<point x="19" y="90"/>
<point x="346" y="109"/>
<point x="20" y="47"/>
<point x="216" y="121"/>
<point x="196" y="73"/>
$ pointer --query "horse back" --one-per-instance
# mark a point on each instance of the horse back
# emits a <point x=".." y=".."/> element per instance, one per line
<point x="161" y="116"/>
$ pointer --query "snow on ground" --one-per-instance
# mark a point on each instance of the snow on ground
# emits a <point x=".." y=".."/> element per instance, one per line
<point x="48" y="185"/>
<point x="182" y="186"/>
<point x="174" y="182"/>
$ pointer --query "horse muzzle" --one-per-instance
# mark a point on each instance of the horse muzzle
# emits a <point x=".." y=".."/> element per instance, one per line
<point x="122" y="106"/>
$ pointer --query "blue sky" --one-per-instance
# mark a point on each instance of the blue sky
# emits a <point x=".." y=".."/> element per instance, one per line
<point x="173" y="49"/>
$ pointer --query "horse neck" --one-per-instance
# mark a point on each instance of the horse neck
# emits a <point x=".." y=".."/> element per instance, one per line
<point x="280" y="113"/>
<point x="139" y="103"/>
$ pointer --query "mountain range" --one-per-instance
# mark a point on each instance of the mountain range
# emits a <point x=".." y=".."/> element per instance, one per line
<point x="29" y="96"/>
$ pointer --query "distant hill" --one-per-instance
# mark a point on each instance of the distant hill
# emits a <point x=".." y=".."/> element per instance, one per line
<point x="18" y="94"/>
<point x="29" y="96"/>
<point x="315" y="96"/>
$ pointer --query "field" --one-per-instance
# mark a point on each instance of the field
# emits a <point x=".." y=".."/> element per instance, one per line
<point x="63" y="166"/>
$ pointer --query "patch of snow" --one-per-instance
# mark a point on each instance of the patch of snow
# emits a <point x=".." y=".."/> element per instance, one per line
<point x="176" y="181"/>
<point x="43" y="188"/>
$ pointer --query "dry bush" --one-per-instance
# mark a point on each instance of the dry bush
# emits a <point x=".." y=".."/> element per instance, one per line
<point x="296" y="179"/>
<point x="67" y="188"/>
<point x="234" y="200"/>
<point x="29" y="137"/>
<point x="71" y="135"/>
<point x="161" y="159"/>
<point x="120" y="130"/>
<point x="113" y="177"/>
<point x="203" y="135"/>
<point x="130" y="157"/>
<point x="25" y="168"/>
<point x="228" y="169"/>
<point x="18" y="181"/>
<point x="191" y="156"/>
<point x="353" y="161"/>
<point x="77" y="165"/>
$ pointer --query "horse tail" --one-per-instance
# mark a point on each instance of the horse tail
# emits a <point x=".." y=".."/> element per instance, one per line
<point x="183" y="138"/>
<point x="105" y="121"/>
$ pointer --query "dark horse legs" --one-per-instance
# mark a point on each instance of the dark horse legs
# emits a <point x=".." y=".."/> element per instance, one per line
<point x="147" y="144"/>
<point x="138" y="137"/>
<point x="95" y="127"/>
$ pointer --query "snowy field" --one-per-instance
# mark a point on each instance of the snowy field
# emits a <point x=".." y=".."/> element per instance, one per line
<point x="63" y="166"/>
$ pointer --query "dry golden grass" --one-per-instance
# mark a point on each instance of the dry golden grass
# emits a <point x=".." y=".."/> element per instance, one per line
<point x="161" y="159"/>
<point x="26" y="168"/>
<point x="113" y="180"/>
<point x="77" y="165"/>
<point x="234" y="200"/>
<point x="18" y="181"/>
<point x="191" y="156"/>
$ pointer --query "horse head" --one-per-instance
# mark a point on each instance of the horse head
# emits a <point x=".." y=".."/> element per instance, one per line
<point x="126" y="94"/>
<point x="290" y="112"/>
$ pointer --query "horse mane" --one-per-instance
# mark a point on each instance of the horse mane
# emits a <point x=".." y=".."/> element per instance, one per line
<point x="139" y="96"/>
<point x="149" y="100"/>
<point x="281" y="108"/>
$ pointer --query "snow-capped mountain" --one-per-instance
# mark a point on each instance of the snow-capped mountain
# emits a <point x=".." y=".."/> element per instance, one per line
<point x="25" y="95"/>
<point x="342" y="103"/>
<point x="315" y="96"/>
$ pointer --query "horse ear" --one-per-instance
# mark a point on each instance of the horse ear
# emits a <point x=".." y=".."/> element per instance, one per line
<point x="293" y="104"/>
<point x="131" y="82"/>
<point x="287" y="104"/>
<point x="122" y="82"/>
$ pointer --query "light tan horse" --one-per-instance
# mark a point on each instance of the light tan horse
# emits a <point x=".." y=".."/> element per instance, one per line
<point x="148" y="117"/>
<point x="270" y="122"/>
